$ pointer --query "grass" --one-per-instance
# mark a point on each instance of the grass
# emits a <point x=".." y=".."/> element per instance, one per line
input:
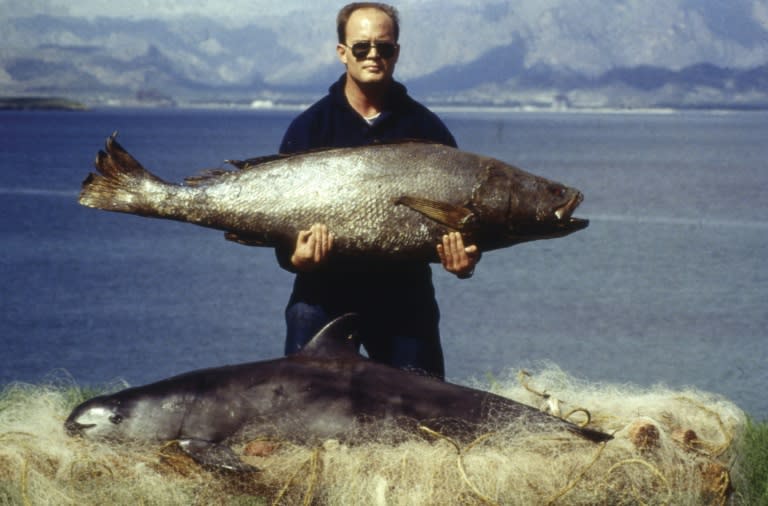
<point x="751" y="475"/>
<point x="39" y="464"/>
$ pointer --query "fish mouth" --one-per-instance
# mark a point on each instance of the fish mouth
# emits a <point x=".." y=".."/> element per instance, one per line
<point x="575" y="224"/>
<point x="565" y="211"/>
<point x="564" y="214"/>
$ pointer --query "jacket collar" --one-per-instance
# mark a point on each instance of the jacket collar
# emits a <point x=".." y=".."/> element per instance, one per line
<point x="397" y="95"/>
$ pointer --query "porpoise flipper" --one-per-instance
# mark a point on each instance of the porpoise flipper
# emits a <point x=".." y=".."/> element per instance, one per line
<point x="215" y="456"/>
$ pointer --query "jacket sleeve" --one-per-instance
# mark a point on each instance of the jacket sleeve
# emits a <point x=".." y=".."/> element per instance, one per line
<point x="283" y="256"/>
<point x="297" y="137"/>
<point x="434" y="128"/>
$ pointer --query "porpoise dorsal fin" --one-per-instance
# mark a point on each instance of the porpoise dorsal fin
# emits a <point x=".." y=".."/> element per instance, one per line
<point x="336" y="339"/>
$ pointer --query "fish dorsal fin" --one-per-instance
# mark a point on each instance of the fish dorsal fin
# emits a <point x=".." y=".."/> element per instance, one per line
<point x="207" y="176"/>
<point x="253" y="162"/>
<point x="323" y="149"/>
<point x="336" y="339"/>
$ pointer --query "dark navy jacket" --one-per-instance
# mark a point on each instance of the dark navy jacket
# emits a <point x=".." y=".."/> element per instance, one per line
<point x="331" y="122"/>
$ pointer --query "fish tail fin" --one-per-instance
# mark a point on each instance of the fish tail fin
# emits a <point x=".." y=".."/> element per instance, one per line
<point x="121" y="183"/>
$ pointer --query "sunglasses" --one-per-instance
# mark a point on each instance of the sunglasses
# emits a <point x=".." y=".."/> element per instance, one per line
<point x="360" y="50"/>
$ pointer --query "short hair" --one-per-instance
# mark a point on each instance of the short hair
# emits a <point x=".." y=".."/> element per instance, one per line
<point x="344" y="14"/>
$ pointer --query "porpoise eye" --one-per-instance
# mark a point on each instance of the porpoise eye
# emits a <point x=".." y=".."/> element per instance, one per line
<point x="116" y="419"/>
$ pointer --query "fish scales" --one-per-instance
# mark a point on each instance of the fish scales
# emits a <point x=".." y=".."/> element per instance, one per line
<point x="388" y="201"/>
<point x="357" y="199"/>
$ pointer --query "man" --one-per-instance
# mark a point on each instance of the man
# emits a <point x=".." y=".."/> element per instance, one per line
<point x="396" y="301"/>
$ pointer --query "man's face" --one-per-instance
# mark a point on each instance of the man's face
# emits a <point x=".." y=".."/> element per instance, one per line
<point x="373" y="26"/>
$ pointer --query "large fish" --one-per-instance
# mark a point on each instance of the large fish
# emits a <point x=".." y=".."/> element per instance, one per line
<point x="327" y="390"/>
<point x="389" y="201"/>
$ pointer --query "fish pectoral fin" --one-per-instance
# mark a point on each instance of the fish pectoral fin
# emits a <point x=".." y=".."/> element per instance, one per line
<point x="245" y="239"/>
<point x="214" y="456"/>
<point x="450" y="215"/>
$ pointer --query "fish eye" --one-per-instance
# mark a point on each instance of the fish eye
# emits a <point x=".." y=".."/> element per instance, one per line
<point x="557" y="191"/>
<point x="115" y="419"/>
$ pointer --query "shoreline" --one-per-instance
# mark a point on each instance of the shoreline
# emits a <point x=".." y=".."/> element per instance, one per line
<point x="41" y="104"/>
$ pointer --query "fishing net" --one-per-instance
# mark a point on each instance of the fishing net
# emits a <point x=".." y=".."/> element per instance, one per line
<point x="669" y="447"/>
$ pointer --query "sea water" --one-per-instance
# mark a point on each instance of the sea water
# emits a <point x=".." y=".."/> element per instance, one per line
<point x="668" y="285"/>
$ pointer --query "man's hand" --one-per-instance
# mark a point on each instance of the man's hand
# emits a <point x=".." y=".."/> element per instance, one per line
<point x="312" y="248"/>
<point x="456" y="258"/>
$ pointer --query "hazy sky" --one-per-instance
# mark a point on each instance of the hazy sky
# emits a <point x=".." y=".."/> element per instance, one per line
<point x="672" y="33"/>
<point x="234" y="9"/>
<point x="243" y="11"/>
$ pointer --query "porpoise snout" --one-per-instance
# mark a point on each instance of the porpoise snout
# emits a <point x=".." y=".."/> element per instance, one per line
<point x="75" y="428"/>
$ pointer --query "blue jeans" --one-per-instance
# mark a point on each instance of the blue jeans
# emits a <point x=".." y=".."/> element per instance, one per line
<point x="408" y="340"/>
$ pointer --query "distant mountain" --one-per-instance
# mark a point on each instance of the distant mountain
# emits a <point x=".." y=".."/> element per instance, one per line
<point x="563" y="53"/>
<point x="701" y="85"/>
<point x="104" y="60"/>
